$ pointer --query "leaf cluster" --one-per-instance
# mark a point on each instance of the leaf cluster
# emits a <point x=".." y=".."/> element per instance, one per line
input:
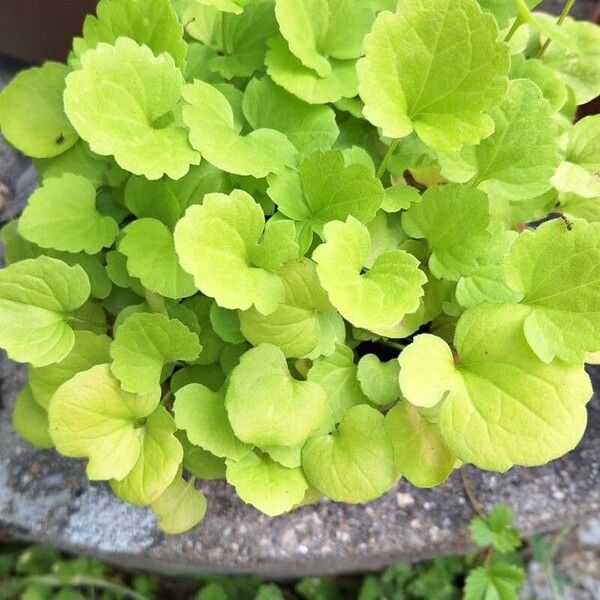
<point x="285" y="243"/>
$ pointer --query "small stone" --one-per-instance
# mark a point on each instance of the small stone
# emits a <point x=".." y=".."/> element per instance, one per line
<point x="404" y="499"/>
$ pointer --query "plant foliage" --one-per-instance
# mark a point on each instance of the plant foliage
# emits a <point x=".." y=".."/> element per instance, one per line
<point x="289" y="244"/>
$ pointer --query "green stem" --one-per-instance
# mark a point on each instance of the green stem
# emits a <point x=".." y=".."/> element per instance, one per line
<point x="391" y="344"/>
<point x="78" y="581"/>
<point x="386" y="159"/>
<point x="224" y="32"/>
<point x="517" y="23"/>
<point x="563" y="15"/>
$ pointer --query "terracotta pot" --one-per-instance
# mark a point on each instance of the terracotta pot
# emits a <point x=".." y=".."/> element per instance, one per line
<point x="38" y="30"/>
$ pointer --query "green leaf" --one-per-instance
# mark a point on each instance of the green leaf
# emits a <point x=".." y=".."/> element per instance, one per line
<point x="538" y="410"/>
<point x="268" y="486"/>
<point x="121" y="103"/>
<point x="378" y="380"/>
<point x="495" y="530"/>
<point x="578" y="67"/>
<point x="308" y="127"/>
<point x="62" y="215"/>
<point x="287" y="71"/>
<point x="101" y="171"/>
<point x="180" y="507"/>
<point x="166" y="199"/>
<point x="319" y="30"/>
<point x="580" y="208"/>
<point x="267" y="406"/>
<point x="551" y="86"/>
<point x="434" y="67"/>
<point x="498" y="581"/>
<point x="297" y="326"/>
<point x="454" y="220"/>
<point x="226" y="324"/>
<point x="201" y="413"/>
<point x="355" y="463"/>
<point x="89" y="349"/>
<point x="228" y="6"/>
<point x="277" y="246"/>
<point x="524" y="127"/>
<point x="325" y="189"/>
<point x="390" y="289"/>
<point x="212" y="344"/>
<point x="421" y="456"/>
<point x="487" y="282"/>
<point x="557" y="271"/>
<point x="217" y="243"/>
<point x="151" y="257"/>
<point x="30" y="420"/>
<point x="400" y="197"/>
<point x="37" y="299"/>
<point x="245" y="39"/>
<point x="578" y="174"/>
<point x="152" y="23"/>
<point x="32" y="116"/>
<point x="337" y="375"/>
<point x="157" y="464"/>
<point x="144" y="344"/>
<point x="199" y="462"/>
<point x="92" y="417"/>
<point x="209" y="116"/>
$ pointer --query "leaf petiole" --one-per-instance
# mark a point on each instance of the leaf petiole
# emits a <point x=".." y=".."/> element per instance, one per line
<point x="386" y="159"/>
<point x="563" y="15"/>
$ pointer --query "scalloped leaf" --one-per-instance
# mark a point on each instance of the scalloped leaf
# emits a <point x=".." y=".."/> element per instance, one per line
<point x="245" y="37"/>
<point x="218" y="243"/>
<point x="92" y="417"/>
<point x="201" y="413"/>
<point x="152" y="23"/>
<point x="121" y="103"/>
<point x="389" y="290"/>
<point x="167" y="199"/>
<point x="314" y="32"/>
<point x="89" y="349"/>
<point x="501" y="406"/>
<point x="309" y="127"/>
<point x="355" y="463"/>
<point x="30" y="420"/>
<point x="420" y="452"/>
<point x="556" y="269"/>
<point x="578" y="66"/>
<point x="209" y="116"/>
<point x="524" y="128"/>
<point x="151" y="257"/>
<point x="287" y="71"/>
<point x="267" y="406"/>
<point x="378" y="380"/>
<point x="296" y="327"/>
<point x="179" y="507"/>
<point x="32" y="116"/>
<point x="265" y="484"/>
<point x="62" y="215"/>
<point x="435" y="67"/>
<point x="326" y="189"/>
<point x="338" y="376"/>
<point x="38" y="299"/>
<point x="157" y="464"/>
<point x="454" y="220"/>
<point x="144" y="344"/>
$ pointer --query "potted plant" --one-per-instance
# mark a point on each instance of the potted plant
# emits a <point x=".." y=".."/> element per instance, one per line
<point x="291" y="248"/>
